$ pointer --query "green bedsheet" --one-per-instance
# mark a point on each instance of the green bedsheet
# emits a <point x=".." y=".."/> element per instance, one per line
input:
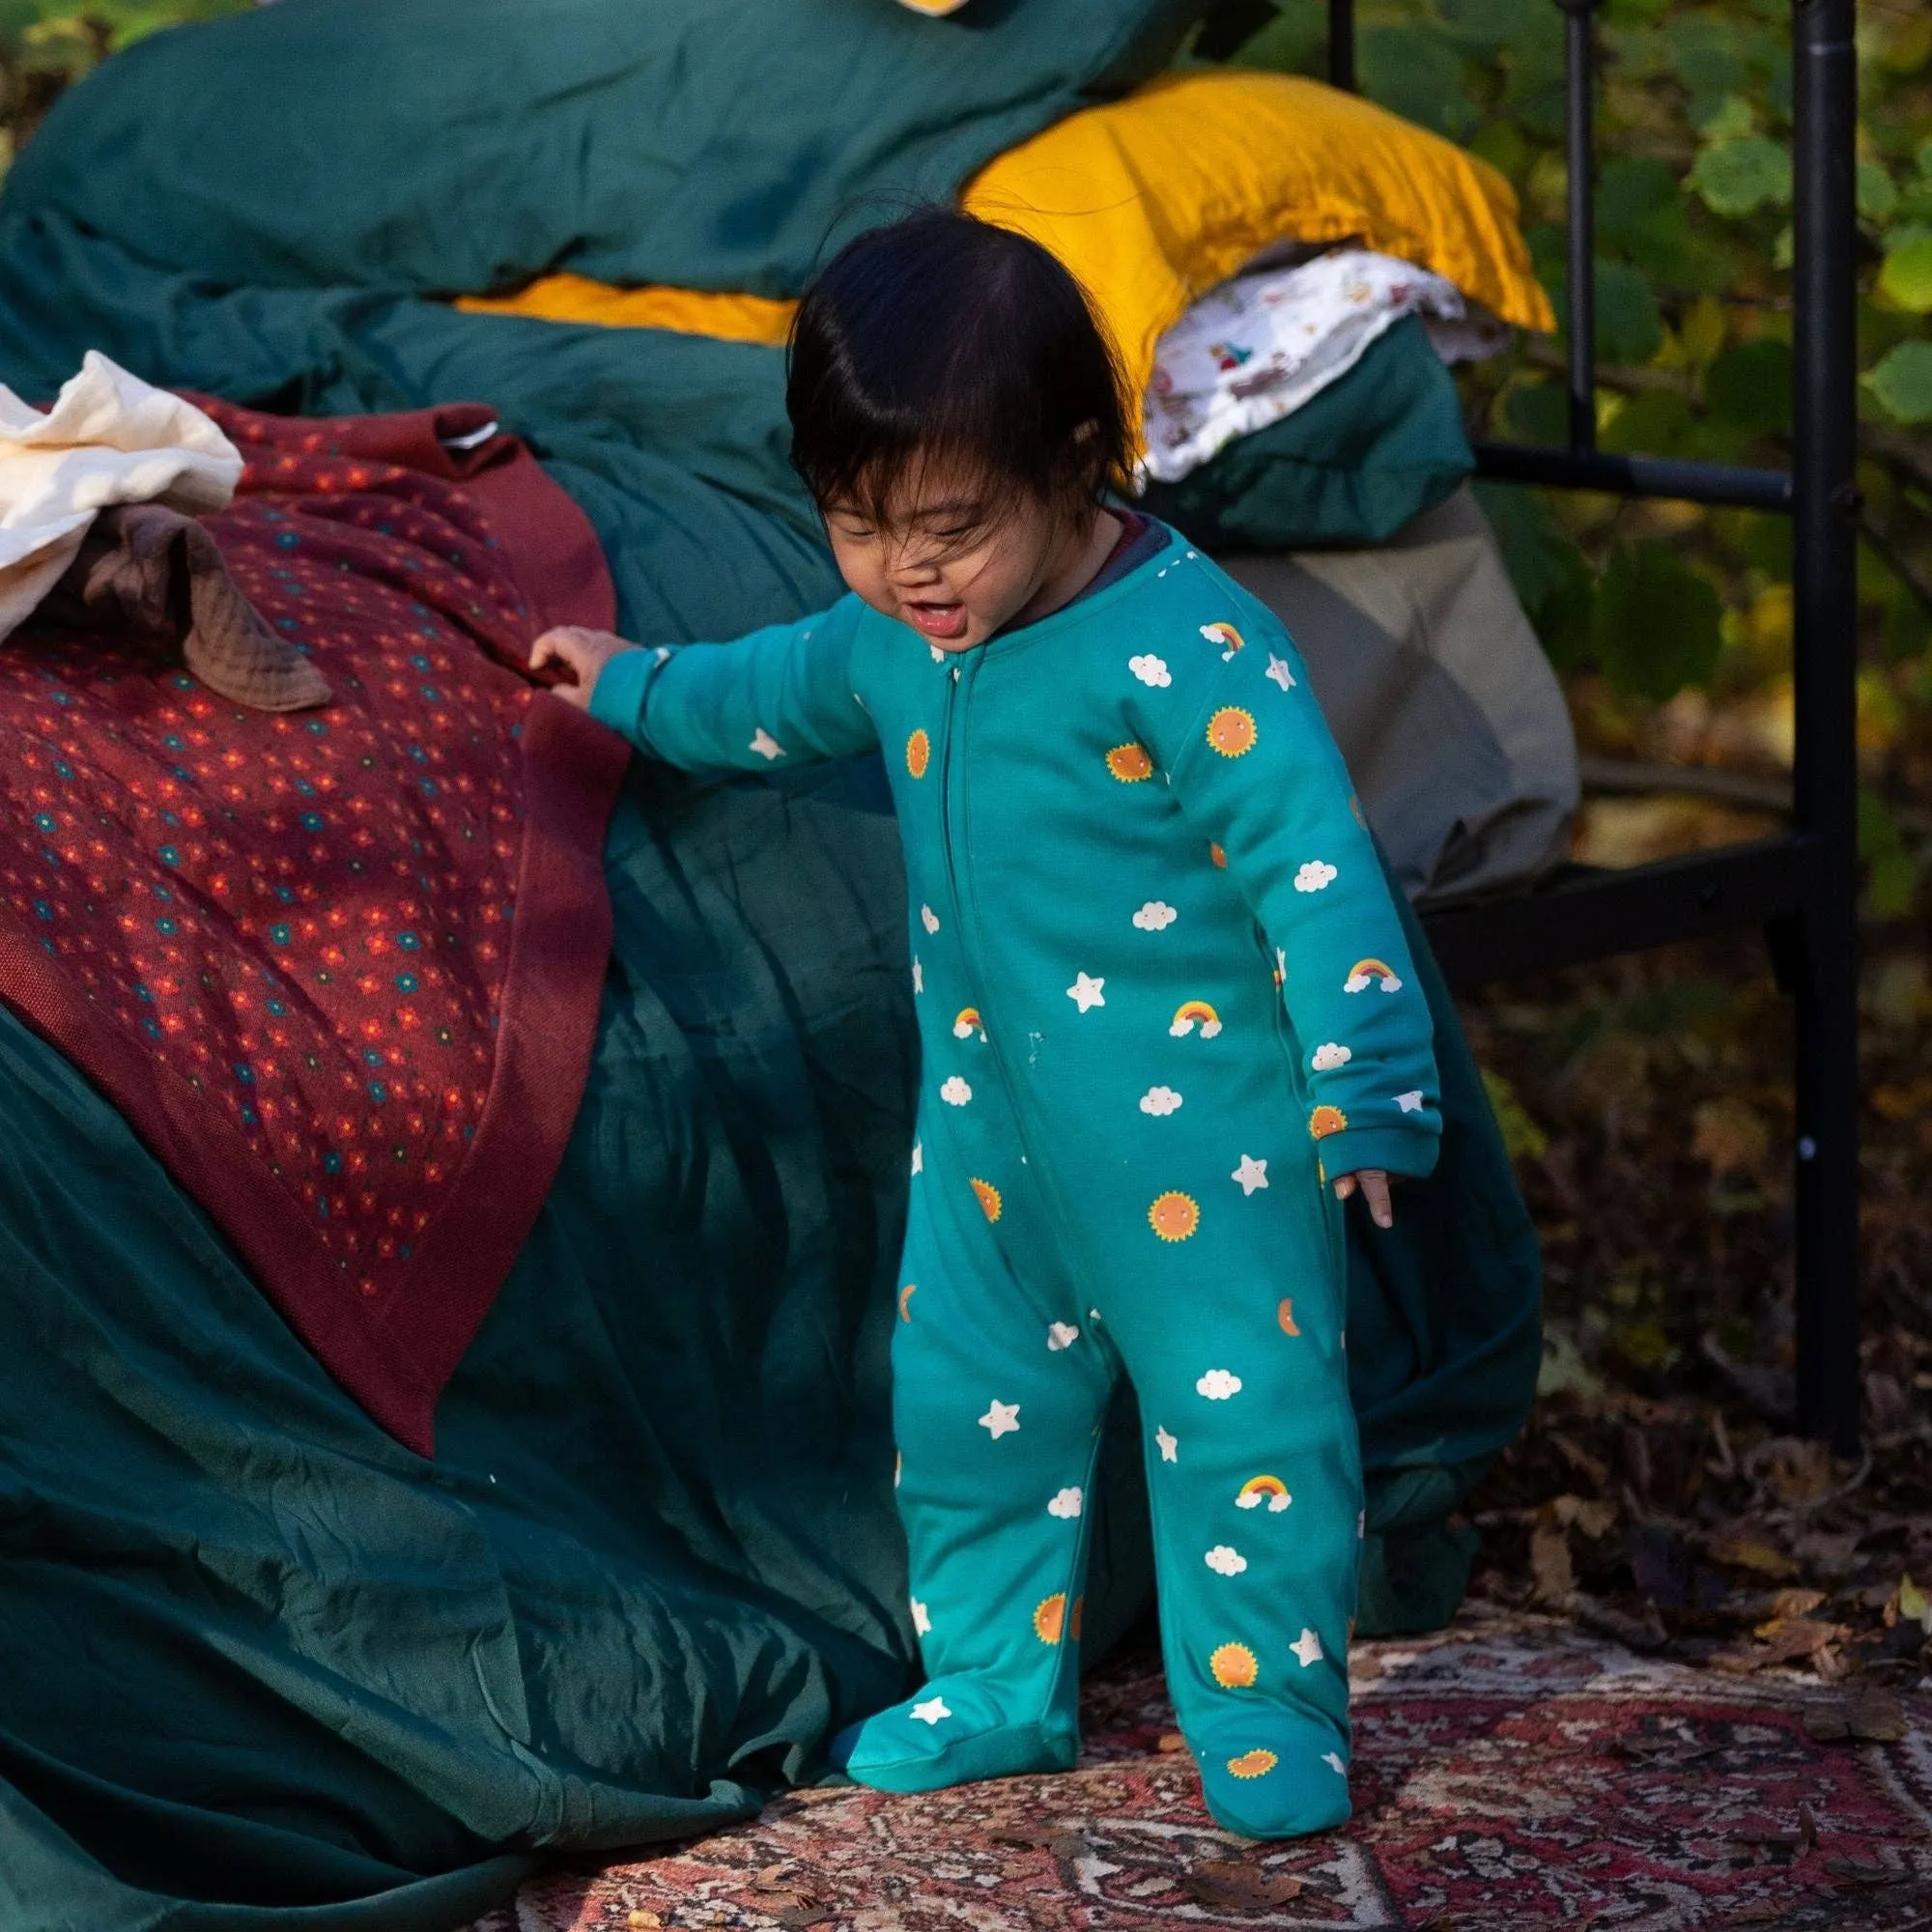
<point x="252" y="1653"/>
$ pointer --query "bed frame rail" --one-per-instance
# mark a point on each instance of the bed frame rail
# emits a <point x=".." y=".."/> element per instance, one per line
<point x="1802" y="889"/>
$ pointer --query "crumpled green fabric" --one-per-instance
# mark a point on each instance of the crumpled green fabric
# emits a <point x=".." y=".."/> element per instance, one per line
<point x="464" y="146"/>
<point x="260" y="1665"/>
<point x="258" y="1662"/>
<point x="1359" y="459"/>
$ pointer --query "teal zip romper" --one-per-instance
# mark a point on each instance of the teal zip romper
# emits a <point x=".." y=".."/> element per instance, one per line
<point x="1162" y="994"/>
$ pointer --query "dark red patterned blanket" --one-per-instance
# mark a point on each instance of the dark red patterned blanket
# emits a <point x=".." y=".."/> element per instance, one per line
<point x="341" y="968"/>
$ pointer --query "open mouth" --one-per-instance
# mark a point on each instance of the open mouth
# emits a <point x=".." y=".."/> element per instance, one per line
<point x="937" y="620"/>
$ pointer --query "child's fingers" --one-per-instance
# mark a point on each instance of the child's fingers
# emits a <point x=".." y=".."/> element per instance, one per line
<point x="553" y="648"/>
<point x="1374" y="1183"/>
<point x="1376" y="1192"/>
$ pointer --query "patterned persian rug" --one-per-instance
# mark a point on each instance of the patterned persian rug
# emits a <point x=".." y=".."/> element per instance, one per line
<point x="1509" y="1771"/>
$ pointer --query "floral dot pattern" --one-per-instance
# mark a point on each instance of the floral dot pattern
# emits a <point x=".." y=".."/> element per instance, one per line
<point x="307" y="918"/>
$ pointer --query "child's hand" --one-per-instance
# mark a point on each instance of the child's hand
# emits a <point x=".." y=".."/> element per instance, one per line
<point x="583" y="653"/>
<point x="1374" y="1183"/>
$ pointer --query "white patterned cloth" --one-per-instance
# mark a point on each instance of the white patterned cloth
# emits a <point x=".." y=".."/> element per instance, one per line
<point x="1258" y="347"/>
<point x="110" y="439"/>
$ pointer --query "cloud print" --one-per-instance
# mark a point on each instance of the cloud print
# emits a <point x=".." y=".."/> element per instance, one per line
<point x="1065" y="1505"/>
<point x="1160" y="1101"/>
<point x="956" y="1091"/>
<point x="1226" y="1561"/>
<point x="1314" y="875"/>
<point x="1149" y="670"/>
<point x="1155" y="916"/>
<point x="1218" y="1385"/>
<point x="1329" y="1055"/>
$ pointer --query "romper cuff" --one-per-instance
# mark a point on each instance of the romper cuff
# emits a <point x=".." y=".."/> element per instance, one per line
<point x="622" y="687"/>
<point x="1395" y="1149"/>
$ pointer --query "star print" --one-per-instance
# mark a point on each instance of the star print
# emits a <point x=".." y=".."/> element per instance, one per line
<point x="1061" y="1335"/>
<point x="928" y="919"/>
<point x="921" y="1622"/>
<point x="1410" y="1102"/>
<point x="1251" y="1173"/>
<point x="938" y="656"/>
<point x="918" y="1157"/>
<point x="1002" y="1418"/>
<point x="918" y="977"/>
<point x="765" y="744"/>
<point x="1169" y="1445"/>
<point x="1307" y="1647"/>
<point x="1329" y="1758"/>
<point x="931" y="1711"/>
<point x="1086" y="992"/>
<point x="1279" y="672"/>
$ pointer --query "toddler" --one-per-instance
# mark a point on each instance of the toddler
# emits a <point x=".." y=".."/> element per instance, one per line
<point x="1167" y="1016"/>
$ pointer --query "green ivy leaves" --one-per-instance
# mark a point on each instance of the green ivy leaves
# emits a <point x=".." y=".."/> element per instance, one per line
<point x="1905" y="281"/>
<point x="1654" y="625"/>
<point x="1647" y="621"/>
<point x="1902" y="382"/>
<point x="1737" y="178"/>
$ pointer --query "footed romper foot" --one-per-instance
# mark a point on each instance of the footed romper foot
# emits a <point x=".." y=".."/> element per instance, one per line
<point x="954" y="1731"/>
<point x="1273" y="1776"/>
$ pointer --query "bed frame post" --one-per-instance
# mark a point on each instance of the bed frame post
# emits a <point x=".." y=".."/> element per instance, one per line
<point x="1580" y="244"/>
<point x="1825" y="670"/>
<point x="1342" y="43"/>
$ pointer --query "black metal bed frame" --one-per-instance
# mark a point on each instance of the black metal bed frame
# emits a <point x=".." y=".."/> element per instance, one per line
<point x="1802" y="887"/>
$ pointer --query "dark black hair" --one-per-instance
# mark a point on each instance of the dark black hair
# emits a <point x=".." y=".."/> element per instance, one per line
<point x="944" y="337"/>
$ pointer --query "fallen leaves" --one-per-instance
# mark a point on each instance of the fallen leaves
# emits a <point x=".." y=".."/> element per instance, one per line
<point x="1550" y="1565"/>
<point x="1060" y="1841"/>
<point x="1730" y="1136"/>
<point x="1226" y="1886"/>
<point x="1781" y="1640"/>
<point x="1661" y="1495"/>
<point x="1909" y="1602"/>
<point x="1869" y="1716"/>
<point x="1746" y="1550"/>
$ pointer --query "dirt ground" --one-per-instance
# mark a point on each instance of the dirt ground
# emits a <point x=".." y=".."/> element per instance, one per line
<point x="1658" y="1495"/>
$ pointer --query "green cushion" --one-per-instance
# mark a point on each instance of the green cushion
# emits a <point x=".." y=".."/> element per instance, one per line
<point x="1351" y="466"/>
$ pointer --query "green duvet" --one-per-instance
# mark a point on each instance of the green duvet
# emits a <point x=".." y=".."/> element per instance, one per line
<point x="258" y="1662"/>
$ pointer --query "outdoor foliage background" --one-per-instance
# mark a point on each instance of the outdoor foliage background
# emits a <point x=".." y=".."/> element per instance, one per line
<point x="1647" y="1101"/>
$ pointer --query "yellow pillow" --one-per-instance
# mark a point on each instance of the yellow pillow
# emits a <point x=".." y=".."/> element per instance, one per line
<point x="1152" y="200"/>
<point x="687" y="311"/>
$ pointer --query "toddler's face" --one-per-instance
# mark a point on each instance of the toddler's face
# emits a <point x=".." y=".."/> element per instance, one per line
<point x="944" y="562"/>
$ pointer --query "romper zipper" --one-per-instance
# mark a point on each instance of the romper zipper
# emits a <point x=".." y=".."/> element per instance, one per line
<point x="1017" y="1110"/>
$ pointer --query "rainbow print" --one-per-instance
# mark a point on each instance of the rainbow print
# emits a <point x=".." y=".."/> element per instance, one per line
<point x="1192" y="1013"/>
<point x="1366" y="973"/>
<point x="1259" y="1490"/>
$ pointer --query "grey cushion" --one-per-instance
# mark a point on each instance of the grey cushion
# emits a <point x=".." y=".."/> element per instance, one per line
<point x="1452" y="722"/>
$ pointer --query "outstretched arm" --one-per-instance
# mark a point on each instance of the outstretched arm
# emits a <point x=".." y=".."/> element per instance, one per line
<point x="1251" y="763"/>
<point x="777" y="695"/>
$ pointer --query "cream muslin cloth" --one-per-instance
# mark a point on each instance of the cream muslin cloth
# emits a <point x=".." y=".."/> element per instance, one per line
<point x="111" y="438"/>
